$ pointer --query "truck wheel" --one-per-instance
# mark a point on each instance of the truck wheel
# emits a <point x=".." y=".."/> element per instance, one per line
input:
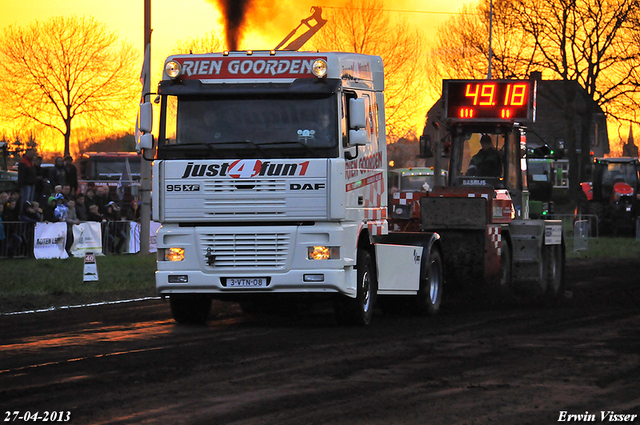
<point x="431" y="282"/>
<point x="554" y="273"/>
<point x="359" y="311"/>
<point x="193" y="309"/>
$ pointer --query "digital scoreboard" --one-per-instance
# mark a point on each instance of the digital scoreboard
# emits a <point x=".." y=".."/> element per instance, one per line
<point x="489" y="100"/>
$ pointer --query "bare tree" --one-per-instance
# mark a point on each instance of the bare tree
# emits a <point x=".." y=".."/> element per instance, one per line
<point x="462" y="45"/>
<point x="207" y="44"/>
<point x="364" y="27"/>
<point x="67" y="69"/>
<point x="594" y="42"/>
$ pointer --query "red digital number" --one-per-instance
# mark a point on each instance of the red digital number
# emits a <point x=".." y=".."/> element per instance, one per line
<point x="473" y="94"/>
<point x="482" y="94"/>
<point x="487" y="94"/>
<point x="515" y="95"/>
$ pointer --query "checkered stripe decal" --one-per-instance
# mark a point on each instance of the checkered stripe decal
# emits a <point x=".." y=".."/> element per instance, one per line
<point x="374" y="213"/>
<point x="495" y="237"/>
<point x="378" y="227"/>
<point x="403" y="198"/>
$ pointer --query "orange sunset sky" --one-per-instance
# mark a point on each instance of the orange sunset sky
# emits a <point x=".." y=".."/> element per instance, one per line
<point x="179" y="20"/>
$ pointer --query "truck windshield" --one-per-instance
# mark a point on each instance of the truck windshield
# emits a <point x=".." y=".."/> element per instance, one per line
<point x="249" y="126"/>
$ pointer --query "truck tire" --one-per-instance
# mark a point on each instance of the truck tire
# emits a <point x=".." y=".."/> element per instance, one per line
<point x="554" y="260"/>
<point x="359" y="310"/>
<point x="429" y="295"/>
<point x="192" y="309"/>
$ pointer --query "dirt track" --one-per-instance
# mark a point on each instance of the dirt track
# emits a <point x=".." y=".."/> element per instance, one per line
<point x="129" y="363"/>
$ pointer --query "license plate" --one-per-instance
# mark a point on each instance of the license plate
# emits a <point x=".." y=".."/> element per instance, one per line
<point x="246" y="282"/>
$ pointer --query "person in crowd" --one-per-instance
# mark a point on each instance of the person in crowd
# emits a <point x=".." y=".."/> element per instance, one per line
<point x="27" y="177"/>
<point x="132" y="213"/>
<point x="11" y="211"/>
<point x="30" y="218"/>
<point x="58" y="174"/>
<point x="42" y="188"/>
<point x="13" y="228"/>
<point x="57" y="190"/>
<point x="94" y="214"/>
<point x="4" y="198"/>
<point x="71" y="174"/>
<point x="67" y="193"/>
<point x="90" y="198"/>
<point x="81" y="208"/>
<point x="37" y="209"/>
<point x="14" y="195"/>
<point x="61" y="208"/>
<point x="71" y="219"/>
<point x="29" y="213"/>
<point x="116" y="235"/>
<point x="49" y="211"/>
<point x="102" y="198"/>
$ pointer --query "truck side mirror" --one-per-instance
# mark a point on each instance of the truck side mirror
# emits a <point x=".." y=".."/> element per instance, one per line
<point x="146" y="118"/>
<point x="426" y="146"/>
<point x="145" y="141"/>
<point x="357" y="114"/>
<point x="358" y="137"/>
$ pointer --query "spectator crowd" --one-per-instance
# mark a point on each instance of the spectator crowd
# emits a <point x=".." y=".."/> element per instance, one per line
<point x="51" y="195"/>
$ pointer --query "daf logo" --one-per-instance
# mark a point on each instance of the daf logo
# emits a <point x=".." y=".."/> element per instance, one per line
<point x="306" y="186"/>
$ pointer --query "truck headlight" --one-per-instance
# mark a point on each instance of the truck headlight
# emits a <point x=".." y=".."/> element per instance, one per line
<point x="173" y="69"/>
<point x="319" y="68"/>
<point x="174" y="254"/>
<point x="324" y="252"/>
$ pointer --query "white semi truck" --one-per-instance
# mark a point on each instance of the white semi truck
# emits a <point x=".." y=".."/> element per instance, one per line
<point x="270" y="178"/>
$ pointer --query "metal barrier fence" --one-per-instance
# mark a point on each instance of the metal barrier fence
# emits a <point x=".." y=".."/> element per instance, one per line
<point x="19" y="238"/>
<point x="18" y="241"/>
<point x="569" y="221"/>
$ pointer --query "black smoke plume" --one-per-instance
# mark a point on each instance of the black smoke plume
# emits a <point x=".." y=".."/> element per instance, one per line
<point x="234" y="12"/>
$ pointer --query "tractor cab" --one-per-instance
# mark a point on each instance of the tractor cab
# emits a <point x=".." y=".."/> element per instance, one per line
<point x="613" y="195"/>
<point x="489" y="156"/>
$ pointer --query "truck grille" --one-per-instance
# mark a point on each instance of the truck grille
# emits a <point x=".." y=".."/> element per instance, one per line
<point x="233" y="199"/>
<point x="255" y="250"/>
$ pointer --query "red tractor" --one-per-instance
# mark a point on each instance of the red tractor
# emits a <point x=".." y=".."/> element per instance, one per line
<point x="613" y="196"/>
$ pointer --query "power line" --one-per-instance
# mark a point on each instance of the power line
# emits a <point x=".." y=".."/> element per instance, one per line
<point x="433" y="12"/>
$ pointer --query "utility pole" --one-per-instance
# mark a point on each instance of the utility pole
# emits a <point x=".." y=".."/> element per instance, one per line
<point x="490" y="35"/>
<point x="145" y="169"/>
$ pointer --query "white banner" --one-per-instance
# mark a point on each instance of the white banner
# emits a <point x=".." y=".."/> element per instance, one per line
<point x="134" y="239"/>
<point x="87" y="237"/>
<point x="49" y="240"/>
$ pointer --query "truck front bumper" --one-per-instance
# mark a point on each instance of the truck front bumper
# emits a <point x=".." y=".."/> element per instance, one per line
<point x="255" y="259"/>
